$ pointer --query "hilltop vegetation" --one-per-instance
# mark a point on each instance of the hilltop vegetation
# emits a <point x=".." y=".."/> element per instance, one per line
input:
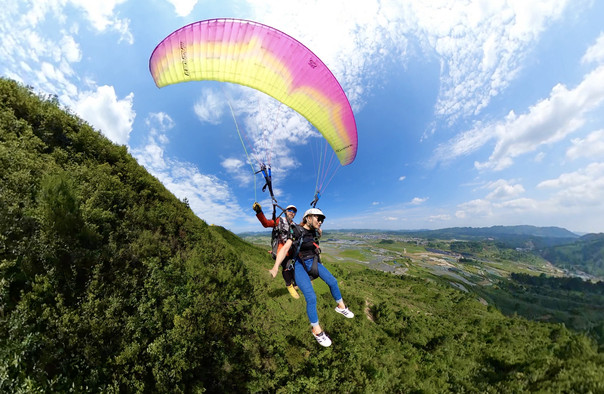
<point x="110" y="284"/>
<point x="585" y="254"/>
<point x="107" y="282"/>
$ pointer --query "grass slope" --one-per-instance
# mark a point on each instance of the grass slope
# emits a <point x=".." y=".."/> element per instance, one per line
<point x="109" y="283"/>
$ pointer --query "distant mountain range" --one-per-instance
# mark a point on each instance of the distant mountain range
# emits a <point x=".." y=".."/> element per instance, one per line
<point x="523" y="236"/>
<point x="500" y="232"/>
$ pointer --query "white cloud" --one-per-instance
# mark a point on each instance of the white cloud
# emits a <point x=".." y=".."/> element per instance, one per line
<point x="502" y="189"/>
<point x="183" y="7"/>
<point x="210" y="106"/>
<point x="70" y="49"/>
<point x="595" y="53"/>
<point x="573" y="195"/>
<point x="102" y="16"/>
<point x="266" y="127"/>
<point x="465" y="143"/>
<point x="122" y="26"/>
<point x="151" y="156"/>
<point x="159" y="122"/>
<point x="402" y="178"/>
<point x="269" y="129"/>
<point x="33" y="12"/>
<point x="36" y="46"/>
<point x="439" y="218"/>
<point x="238" y="169"/>
<point x="40" y="61"/>
<point x="209" y="197"/>
<point x="521" y="205"/>
<point x="418" y="200"/>
<point x="102" y="109"/>
<point x="232" y="164"/>
<point x="49" y="74"/>
<point x="548" y="121"/>
<point x="475" y="207"/>
<point x="481" y="45"/>
<point x="580" y="189"/>
<point x="590" y="147"/>
<point x="39" y="47"/>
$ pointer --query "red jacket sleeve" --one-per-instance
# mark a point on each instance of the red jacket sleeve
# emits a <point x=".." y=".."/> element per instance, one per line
<point x="264" y="221"/>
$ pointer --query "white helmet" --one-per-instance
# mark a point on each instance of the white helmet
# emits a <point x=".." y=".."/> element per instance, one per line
<point x="313" y="211"/>
<point x="291" y="207"/>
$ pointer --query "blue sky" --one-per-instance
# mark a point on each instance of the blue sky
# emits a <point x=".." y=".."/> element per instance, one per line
<point x="469" y="113"/>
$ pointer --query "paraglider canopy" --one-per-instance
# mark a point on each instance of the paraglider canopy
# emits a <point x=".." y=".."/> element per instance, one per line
<point x="266" y="59"/>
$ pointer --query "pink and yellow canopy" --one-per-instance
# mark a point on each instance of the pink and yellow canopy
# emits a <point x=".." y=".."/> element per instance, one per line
<point x="263" y="58"/>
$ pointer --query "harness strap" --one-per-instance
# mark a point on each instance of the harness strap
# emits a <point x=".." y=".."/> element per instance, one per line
<point x="266" y="172"/>
<point x="299" y="246"/>
<point x="313" y="272"/>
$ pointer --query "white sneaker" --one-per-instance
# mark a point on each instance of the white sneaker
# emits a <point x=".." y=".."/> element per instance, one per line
<point x="322" y="338"/>
<point x="346" y="312"/>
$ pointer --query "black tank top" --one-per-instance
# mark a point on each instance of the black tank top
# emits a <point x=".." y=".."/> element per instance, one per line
<point x="309" y="244"/>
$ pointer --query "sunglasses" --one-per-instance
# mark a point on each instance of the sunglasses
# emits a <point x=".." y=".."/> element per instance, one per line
<point x="292" y="210"/>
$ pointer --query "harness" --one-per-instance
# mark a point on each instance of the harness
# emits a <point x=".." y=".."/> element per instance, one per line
<point x="312" y="249"/>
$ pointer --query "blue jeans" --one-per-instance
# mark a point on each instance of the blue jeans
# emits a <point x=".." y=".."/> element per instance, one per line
<point x="303" y="282"/>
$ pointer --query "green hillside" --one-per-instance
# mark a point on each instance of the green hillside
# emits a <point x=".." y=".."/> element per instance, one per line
<point x="108" y="283"/>
<point x="585" y="254"/>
